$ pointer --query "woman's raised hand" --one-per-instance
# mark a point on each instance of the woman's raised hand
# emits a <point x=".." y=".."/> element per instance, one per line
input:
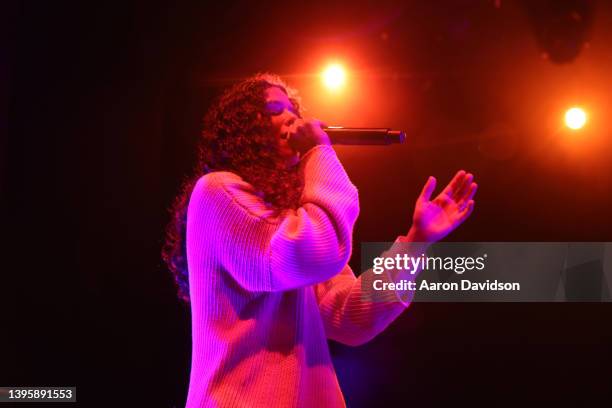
<point x="435" y="219"/>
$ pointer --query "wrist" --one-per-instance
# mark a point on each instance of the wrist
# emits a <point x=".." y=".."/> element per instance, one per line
<point x="416" y="235"/>
<point x="416" y="238"/>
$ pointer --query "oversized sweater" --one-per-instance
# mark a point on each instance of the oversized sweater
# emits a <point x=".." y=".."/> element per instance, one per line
<point x="268" y="291"/>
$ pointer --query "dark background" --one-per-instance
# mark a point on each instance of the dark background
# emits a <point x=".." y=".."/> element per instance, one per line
<point x="104" y="108"/>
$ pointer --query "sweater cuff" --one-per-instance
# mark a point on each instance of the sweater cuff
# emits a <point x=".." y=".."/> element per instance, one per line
<point x="313" y="149"/>
<point x="403" y="296"/>
<point x="320" y="166"/>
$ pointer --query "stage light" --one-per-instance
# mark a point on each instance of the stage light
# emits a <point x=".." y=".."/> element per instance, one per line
<point x="575" y="118"/>
<point x="334" y="77"/>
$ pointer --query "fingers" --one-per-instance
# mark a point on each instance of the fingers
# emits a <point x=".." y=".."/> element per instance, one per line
<point x="317" y="122"/>
<point x="461" y="189"/>
<point x="472" y="191"/>
<point x="463" y="202"/>
<point x="465" y="186"/>
<point x="454" y="184"/>
<point x="428" y="189"/>
<point x="305" y="134"/>
<point x="306" y="126"/>
<point x="467" y="211"/>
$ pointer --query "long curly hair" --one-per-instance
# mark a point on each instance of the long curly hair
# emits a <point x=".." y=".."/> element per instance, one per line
<point x="237" y="136"/>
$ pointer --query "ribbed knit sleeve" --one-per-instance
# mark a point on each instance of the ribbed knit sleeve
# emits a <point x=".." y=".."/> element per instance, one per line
<point x="352" y="312"/>
<point x="266" y="253"/>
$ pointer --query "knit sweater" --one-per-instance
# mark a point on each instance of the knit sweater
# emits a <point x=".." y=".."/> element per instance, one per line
<point x="268" y="291"/>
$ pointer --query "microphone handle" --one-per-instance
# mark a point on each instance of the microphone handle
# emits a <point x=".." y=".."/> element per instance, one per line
<point x="364" y="136"/>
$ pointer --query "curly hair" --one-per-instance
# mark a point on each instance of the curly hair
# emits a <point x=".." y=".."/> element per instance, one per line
<point x="237" y="136"/>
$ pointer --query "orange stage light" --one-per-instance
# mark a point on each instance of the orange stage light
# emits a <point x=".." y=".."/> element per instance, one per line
<point x="334" y="77"/>
<point x="575" y="118"/>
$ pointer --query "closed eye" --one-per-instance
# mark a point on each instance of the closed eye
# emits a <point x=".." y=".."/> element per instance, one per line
<point x="275" y="108"/>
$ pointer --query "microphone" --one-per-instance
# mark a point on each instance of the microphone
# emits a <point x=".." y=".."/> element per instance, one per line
<point x="364" y="136"/>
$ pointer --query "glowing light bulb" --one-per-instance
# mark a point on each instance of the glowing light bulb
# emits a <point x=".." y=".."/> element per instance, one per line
<point x="575" y="118"/>
<point x="334" y="77"/>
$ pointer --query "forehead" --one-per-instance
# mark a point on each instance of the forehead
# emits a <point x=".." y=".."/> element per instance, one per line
<point x="274" y="93"/>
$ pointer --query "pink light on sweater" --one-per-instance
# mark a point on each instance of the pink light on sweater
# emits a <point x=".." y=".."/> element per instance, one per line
<point x="267" y="292"/>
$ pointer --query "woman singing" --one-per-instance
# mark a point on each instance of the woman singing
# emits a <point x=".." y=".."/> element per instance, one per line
<point x="259" y="246"/>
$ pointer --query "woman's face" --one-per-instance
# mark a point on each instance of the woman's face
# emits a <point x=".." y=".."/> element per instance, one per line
<point x="283" y="116"/>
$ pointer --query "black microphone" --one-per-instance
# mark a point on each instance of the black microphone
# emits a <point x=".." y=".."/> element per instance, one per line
<point x="364" y="136"/>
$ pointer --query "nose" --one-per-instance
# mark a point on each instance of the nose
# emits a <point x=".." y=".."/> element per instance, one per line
<point x="291" y="117"/>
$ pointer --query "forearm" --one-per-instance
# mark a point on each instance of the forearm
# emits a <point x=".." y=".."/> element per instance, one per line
<point x="264" y="251"/>
<point x="412" y="245"/>
<point x="353" y="310"/>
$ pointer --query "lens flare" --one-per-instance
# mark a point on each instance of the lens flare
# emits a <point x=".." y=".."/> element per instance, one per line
<point x="334" y="77"/>
<point x="575" y="118"/>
